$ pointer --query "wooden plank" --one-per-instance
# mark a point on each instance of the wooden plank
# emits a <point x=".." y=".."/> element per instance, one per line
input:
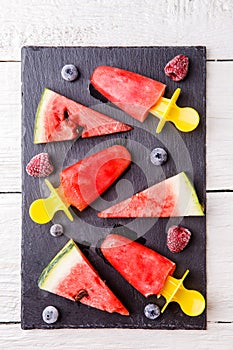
<point x="10" y="135"/>
<point x="219" y="257"/>
<point x="219" y="126"/>
<point x="10" y="86"/>
<point x="105" y="22"/>
<point x="10" y="236"/>
<point x="218" y="336"/>
<point x="10" y="167"/>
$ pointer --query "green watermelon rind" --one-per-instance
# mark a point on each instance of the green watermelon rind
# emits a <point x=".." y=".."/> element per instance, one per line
<point x="194" y="195"/>
<point x="54" y="262"/>
<point x="39" y="125"/>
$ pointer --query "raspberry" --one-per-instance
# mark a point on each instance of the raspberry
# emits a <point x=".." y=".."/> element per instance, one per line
<point x="40" y="166"/>
<point x="177" y="68"/>
<point x="177" y="238"/>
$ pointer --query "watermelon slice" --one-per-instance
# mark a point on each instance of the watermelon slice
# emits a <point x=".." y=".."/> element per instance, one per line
<point x="131" y="92"/>
<point x="59" y="118"/>
<point x="71" y="276"/>
<point x="86" y="180"/>
<point x="142" y="267"/>
<point x="172" y="197"/>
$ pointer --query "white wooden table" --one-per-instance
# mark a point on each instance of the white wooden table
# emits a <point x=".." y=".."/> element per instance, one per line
<point x="123" y="23"/>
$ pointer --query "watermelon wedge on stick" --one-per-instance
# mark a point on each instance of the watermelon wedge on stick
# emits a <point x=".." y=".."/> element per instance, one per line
<point x="70" y="275"/>
<point x="82" y="183"/>
<point x="142" y="267"/>
<point x="59" y="118"/>
<point x="138" y="96"/>
<point x="172" y="197"/>
<point x="151" y="273"/>
<point x="86" y="180"/>
<point x="133" y="93"/>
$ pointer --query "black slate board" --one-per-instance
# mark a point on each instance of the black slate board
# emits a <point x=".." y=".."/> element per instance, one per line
<point x="41" y="68"/>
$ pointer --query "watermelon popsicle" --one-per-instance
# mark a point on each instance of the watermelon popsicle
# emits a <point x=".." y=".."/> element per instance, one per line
<point x="138" y="95"/>
<point x="150" y="273"/>
<point x="82" y="183"/>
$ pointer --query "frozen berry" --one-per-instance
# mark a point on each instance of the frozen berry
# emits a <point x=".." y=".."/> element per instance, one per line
<point x="177" y="238"/>
<point x="69" y="72"/>
<point x="40" y="166"/>
<point x="158" y="156"/>
<point x="50" y="314"/>
<point x="56" y="230"/>
<point x="177" y="68"/>
<point x="152" y="311"/>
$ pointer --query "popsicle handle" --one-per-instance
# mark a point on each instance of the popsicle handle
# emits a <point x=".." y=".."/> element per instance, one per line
<point x="192" y="302"/>
<point x="185" y="119"/>
<point x="42" y="210"/>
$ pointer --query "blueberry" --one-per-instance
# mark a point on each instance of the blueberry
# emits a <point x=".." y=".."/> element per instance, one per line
<point x="69" y="72"/>
<point x="158" y="156"/>
<point x="56" y="230"/>
<point x="152" y="311"/>
<point x="50" y="314"/>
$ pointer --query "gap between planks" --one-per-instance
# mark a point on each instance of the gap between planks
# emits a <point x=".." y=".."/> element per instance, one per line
<point x="208" y="322"/>
<point x="208" y="60"/>
<point x="207" y="191"/>
<point x="108" y="22"/>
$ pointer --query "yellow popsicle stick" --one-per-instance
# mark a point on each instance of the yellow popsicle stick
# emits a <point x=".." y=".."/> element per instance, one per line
<point x="185" y="119"/>
<point x="192" y="302"/>
<point x="42" y="210"/>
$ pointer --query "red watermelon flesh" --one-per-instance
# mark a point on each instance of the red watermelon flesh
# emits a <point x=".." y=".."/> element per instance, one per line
<point x="71" y="276"/>
<point x="59" y="118"/>
<point x="84" y="181"/>
<point x="133" y="93"/>
<point x="143" y="268"/>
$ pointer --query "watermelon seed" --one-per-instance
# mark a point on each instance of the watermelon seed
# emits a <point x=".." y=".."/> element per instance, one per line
<point x="66" y="114"/>
<point x="81" y="294"/>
